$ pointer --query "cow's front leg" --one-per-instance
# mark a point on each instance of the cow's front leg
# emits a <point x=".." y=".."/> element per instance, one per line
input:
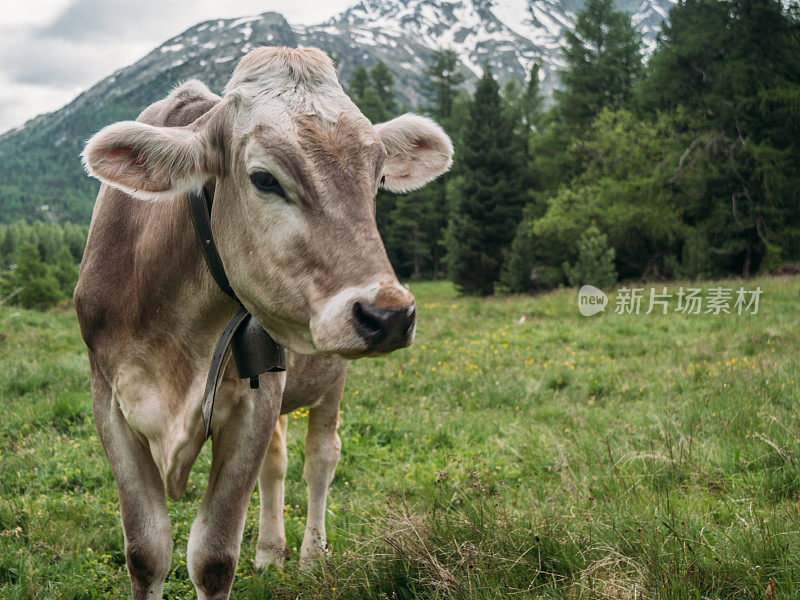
<point x="142" y="504"/>
<point x="238" y="450"/>
<point x="323" y="448"/>
<point x="271" y="549"/>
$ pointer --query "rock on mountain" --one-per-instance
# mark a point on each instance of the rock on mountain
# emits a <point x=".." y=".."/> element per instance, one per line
<point x="40" y="172"/>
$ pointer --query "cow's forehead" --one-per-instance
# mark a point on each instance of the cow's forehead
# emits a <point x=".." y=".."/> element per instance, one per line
<point x="304" y="66"/>
<point x="297" y="81"/>
<point x="296" y="96"/>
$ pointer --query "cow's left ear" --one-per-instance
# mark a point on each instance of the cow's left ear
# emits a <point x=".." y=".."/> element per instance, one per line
<point x="146" y="161"/>
<point x="151" y="162"/>
<point x="418" y="150"/>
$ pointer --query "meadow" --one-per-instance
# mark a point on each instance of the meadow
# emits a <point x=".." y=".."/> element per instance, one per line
<point x="617" y="456"/>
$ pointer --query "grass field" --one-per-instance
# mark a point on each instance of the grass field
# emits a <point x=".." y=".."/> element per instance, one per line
<point x="617" y="456"/>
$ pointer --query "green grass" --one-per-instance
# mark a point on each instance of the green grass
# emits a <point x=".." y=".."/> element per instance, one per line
<point x="610" y="457"/>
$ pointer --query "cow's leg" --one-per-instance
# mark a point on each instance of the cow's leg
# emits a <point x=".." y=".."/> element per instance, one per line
<point x="238" y="450"/>
<point x="322" y="455"/>
<point x="271" y="549"/>
<point x="142" y="504"/>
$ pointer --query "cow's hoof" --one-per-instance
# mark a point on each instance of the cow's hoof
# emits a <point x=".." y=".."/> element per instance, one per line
<point x="270" y="556"/>
<point x="310" y="564"/>
<point x="311" y="555"/>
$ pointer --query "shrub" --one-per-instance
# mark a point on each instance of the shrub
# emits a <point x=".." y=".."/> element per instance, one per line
<point x="37" y="285"/>
<point x="595" y="264"/>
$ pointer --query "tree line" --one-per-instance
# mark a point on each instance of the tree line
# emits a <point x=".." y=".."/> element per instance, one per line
<point x="684" y="166"/>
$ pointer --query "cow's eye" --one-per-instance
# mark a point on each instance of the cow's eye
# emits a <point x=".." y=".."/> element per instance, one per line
<point x="265" y="182"/>
<point x="383" y="180"/>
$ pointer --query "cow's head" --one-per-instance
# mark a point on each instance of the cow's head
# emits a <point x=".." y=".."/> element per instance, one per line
<point x="296" y="168"/>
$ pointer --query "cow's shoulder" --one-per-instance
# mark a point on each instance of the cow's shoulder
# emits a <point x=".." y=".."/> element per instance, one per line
<point x="182" y="106"/>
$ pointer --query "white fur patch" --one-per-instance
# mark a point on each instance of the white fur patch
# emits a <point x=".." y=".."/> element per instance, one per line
<point x="332" y="328"/>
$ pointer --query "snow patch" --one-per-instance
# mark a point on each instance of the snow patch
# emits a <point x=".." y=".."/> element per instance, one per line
<point x="244" y="20"/>
<point x="516" y="15"/>
<point x="172" y="48"/>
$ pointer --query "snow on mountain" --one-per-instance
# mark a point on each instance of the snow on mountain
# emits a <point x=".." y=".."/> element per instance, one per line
<point x="509" y="35"/>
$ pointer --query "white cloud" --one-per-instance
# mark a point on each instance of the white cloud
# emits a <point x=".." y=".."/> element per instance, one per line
<point x="31" y="13"/>
<point x="50" y="50"/>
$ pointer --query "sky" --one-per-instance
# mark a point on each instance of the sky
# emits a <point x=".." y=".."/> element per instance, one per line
<point x="51" y="50"/>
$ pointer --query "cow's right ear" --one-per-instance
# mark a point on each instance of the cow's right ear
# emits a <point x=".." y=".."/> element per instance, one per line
<point x="145" y="161"/>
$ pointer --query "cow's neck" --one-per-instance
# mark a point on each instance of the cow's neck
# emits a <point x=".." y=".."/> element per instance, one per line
<point x="172" y="275"/>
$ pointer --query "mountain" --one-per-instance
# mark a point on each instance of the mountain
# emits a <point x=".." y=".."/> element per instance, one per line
<point x="40" y="171"/>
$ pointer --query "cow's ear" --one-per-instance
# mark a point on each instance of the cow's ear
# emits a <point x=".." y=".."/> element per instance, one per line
<point x="145" y="161"/>
<point x="418" y="150"/>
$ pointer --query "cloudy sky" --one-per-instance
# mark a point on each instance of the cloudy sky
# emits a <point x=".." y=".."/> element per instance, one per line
<point x="50" y="50"/>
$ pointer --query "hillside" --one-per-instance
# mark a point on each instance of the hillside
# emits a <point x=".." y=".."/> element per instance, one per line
<point x="40" y="172"/>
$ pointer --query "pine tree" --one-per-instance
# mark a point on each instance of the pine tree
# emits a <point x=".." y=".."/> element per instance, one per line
<point x="521" y="261"/>
<point x="373" y="92"/>
<point x="604" y="60"/>
<point x="532" y="102"/>
<point x="595" y="264"/>
<point x="413" y="229"/>
<point x="371" y="105"/>
<point x="65" y="270"/>
<point x="383" y="82"/>
<point x="524" y="104"/>
<point x="441" y="87"/>
<point x="624" y="188"/>
<point x="359" y="82"/>
<point x="533" y="97"/>
<point x="9" y="242"/>
<point x="486" y="212"/>
<point x="37" y="262"/>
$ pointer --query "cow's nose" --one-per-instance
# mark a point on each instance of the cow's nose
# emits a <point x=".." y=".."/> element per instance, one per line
<point x="384" y="328"/>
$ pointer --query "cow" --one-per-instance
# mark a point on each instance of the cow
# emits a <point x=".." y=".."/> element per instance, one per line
<point x="294" y="168"/>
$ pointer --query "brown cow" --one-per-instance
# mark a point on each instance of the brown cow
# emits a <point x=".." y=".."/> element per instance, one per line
<point x="294" y="167"/>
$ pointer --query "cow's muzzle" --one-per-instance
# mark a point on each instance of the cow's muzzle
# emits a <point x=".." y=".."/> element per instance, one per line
<point x="365" y="321"/>
<point x="384" y="328"/>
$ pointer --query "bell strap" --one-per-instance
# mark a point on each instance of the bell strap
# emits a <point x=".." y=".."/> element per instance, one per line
<point x="217" y="364"/>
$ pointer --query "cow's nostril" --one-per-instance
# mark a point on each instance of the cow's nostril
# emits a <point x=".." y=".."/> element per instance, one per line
<point x="410" y="319"/>
<point x="384" y="328"/>
<point x="368" y="321"/>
